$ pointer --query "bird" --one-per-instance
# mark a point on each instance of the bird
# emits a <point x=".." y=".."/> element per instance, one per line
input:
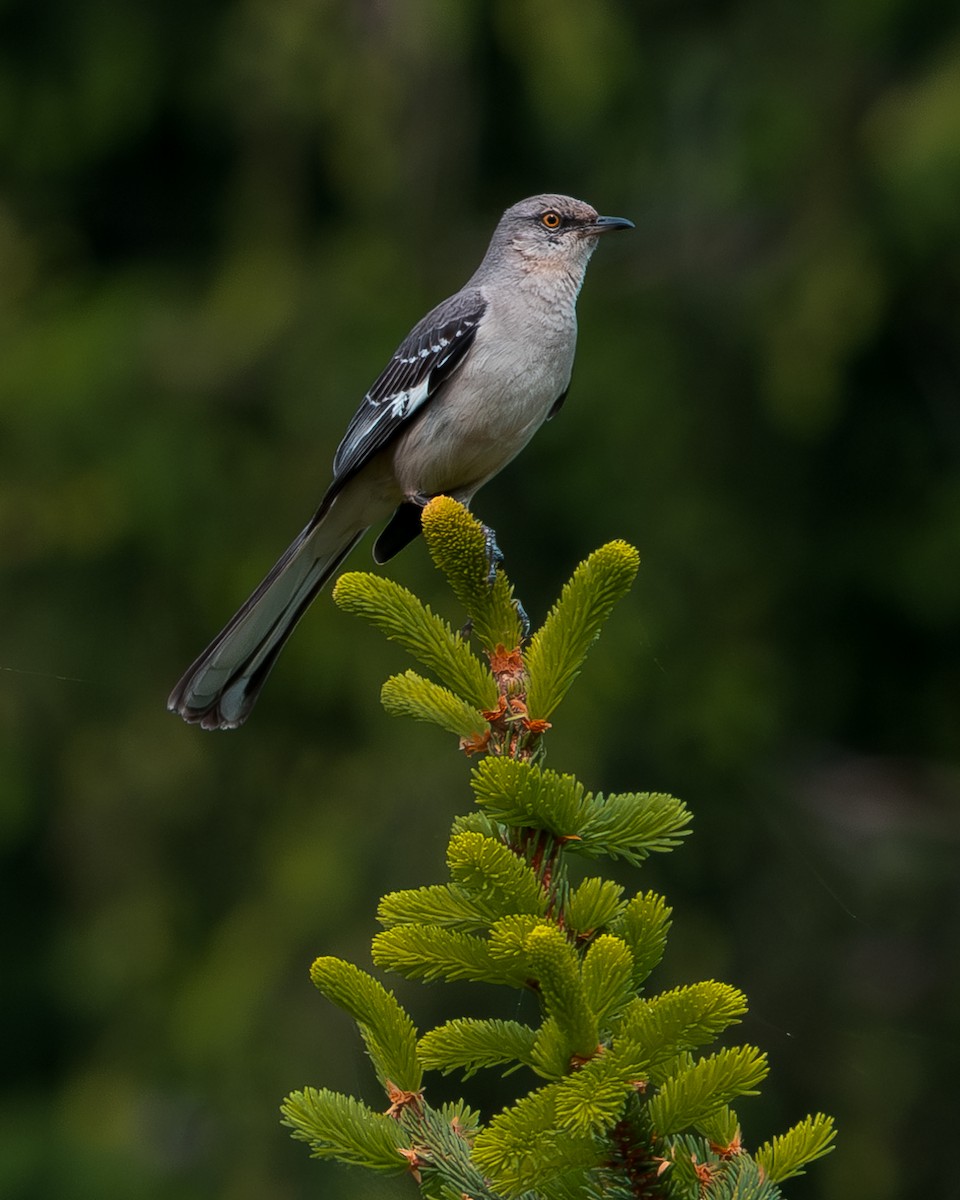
<point x="461" y="396"/>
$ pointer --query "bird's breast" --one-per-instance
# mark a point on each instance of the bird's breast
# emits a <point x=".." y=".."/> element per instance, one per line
<point x="488" y="411"/>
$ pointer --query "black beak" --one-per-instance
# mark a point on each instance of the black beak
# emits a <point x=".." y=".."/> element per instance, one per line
<point x="606" y="224"/>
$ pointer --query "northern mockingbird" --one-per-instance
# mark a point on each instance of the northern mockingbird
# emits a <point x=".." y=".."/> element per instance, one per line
<point x="462" y="395"/>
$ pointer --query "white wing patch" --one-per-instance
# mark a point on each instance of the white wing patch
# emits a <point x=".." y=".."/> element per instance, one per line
<point x="402" y="404"/>
<point x="425" y="359"/>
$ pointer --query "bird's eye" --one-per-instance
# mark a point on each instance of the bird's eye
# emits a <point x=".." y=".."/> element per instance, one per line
<point x="550" y="219"/>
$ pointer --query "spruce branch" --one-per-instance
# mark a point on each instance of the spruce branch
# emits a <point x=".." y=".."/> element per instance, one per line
<point x="622" y="1106"/>
<point x="680" y="1020"/>
<point x="387" y="1030"/>
<point x="517" y="794"/>
<point x="692" y="1094"/>
<point x="441" y="904"/>
<point x="458" y="543"/>
<point x="550" y="1057"/>
<point x="592" y="904"/>
<point x="643" y="923"/>
<point x="722" y="1131"/>
<point x="555" y="964"/>
<point x="430" y="953"/>
<point x="606" y="973"/>
<point x="467" y="1045"/>
<point x="558" y="649"/>
<point x="628" y="826"/>
<point x="789" y="1153"/>
<point x="410" y="695"/>
<point x="491" y="882"/>
<point x="693" y="1167"/>
<point x="592" y="1100"/>
<point x="340" y="1127"/>
<point x="633" y="826"/>
<point x="404" y="619"/>
<point x="524" y="1147"/>
<point x="493" y="873"/>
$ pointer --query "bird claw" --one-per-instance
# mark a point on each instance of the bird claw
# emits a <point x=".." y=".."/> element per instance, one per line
<point x="495" y="560"/>
<point x="524" y="619"/>
<point x="494" y="554"/>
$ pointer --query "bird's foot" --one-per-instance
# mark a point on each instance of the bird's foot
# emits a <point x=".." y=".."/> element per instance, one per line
<point x="494" y="553"/>
<point x="524" y="619"/>
<point x="494" y="560"/>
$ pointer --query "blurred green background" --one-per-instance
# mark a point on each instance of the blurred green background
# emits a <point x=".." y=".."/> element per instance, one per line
<point x="216" y="222"/>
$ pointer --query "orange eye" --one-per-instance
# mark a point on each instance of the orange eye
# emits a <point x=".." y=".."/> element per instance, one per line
<point x="550" y="219"/>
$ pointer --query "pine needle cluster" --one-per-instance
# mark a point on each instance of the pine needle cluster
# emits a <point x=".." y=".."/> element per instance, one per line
<point x="624" y="1102"/>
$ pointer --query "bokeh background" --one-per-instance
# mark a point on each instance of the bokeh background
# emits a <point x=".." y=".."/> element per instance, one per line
<point x="216" y="222"/>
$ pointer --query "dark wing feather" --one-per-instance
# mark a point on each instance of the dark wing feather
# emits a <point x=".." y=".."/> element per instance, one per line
<point x="558" y="403"/>
<point x="427" y="356"/>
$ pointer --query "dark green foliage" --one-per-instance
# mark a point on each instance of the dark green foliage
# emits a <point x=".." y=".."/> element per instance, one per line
<point x="628" y="1103"/>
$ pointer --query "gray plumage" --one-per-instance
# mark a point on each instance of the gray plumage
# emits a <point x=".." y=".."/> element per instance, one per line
<point x="462" y="395"/>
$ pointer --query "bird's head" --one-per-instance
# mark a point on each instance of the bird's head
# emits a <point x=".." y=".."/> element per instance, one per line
<point x="553" y="231"/>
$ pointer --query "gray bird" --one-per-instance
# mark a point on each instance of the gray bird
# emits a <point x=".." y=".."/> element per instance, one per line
<point x="462" y="395"/>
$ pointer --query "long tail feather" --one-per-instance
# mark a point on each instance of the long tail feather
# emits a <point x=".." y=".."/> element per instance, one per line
<point x="220" y="688"/>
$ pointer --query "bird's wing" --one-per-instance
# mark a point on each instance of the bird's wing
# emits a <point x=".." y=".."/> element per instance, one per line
<point x="558" y="403"/>
<point x="427" y="356"/>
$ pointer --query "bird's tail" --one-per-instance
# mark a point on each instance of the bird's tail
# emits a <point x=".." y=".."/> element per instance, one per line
<point x="220" y="688"/>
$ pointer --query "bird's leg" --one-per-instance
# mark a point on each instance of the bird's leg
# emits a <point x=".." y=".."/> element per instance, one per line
<point x="494" y="553"/>
<point x="494" y="560"/>
<point x="524" y="619"/>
